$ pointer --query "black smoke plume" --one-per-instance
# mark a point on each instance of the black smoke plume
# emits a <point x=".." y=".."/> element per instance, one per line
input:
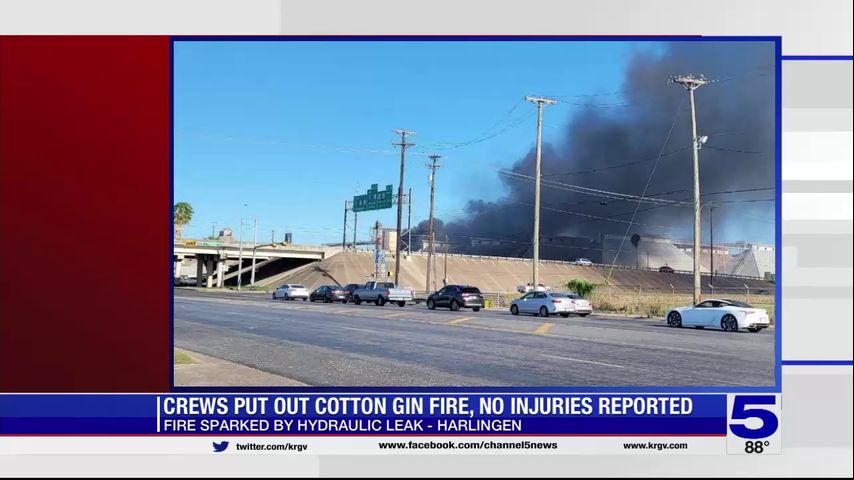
<point x="736" y="112"/>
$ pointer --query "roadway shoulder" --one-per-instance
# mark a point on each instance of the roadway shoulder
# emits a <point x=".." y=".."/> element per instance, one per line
<point x="206" y="371"/>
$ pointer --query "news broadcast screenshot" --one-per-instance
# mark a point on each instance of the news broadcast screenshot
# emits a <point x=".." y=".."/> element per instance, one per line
<point x="426" y="239"/>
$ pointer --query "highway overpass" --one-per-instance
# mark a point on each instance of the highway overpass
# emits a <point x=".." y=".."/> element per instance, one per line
<point x="217" y="260"/>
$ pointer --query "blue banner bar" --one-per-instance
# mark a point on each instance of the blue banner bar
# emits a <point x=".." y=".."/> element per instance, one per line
<point x="361" y="414"/>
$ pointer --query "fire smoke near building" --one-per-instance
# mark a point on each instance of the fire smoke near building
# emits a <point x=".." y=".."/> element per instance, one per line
<point x="611" y="142"/>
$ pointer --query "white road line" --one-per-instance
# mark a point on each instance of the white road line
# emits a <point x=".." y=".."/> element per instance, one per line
<point x="583" y="361"/>
<point x="361" y="329"/>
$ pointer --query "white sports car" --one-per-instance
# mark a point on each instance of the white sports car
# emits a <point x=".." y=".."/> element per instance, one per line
<point x="728" y="315"/>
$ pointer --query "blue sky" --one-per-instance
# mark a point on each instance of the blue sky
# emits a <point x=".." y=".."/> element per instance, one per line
<point x="286" y="131"/>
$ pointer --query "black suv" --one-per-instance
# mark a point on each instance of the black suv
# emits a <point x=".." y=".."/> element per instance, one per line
<point x="456" y="297"/>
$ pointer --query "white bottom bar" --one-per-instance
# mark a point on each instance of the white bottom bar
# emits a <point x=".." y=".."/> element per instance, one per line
<point x="365" y="445"/>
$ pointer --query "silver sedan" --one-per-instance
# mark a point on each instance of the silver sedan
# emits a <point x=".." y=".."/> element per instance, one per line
<point x="551" y="303"/>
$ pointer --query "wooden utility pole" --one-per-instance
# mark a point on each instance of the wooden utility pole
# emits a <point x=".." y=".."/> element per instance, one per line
<point x="431" y="252"/>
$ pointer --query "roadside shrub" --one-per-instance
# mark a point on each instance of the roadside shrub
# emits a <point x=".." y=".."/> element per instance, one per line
<point x="581" y="287"/>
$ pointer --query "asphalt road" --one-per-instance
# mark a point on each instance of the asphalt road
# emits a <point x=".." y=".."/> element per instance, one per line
<point x="366" y="345"/>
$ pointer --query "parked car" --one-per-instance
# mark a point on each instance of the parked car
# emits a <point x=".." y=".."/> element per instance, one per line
<point x="665" y="269"/>
<point x="456" y="297"/>
<point x="329" y="294"/>
<point x="182" y="280"/>
<point x="551" y="303"/>
<point x="291" y="291"/>
<point x="728" y="315"/>
<point x="382" y="293"/>
<point x="582" y="261"/>
<point x="350" y="288"/>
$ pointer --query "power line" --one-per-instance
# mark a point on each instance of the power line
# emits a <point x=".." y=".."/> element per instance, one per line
<point x="258" y="141"/>
<point x="591" y="191"/>
<point x="612" y="167"/>
<point x="481" y="139"/>
<point x="648" y="181"/>
<point x="731" y="149"/>
<point x="596" y="217"/>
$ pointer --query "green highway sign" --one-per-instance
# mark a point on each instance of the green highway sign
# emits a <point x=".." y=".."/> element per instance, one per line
<point x="373" y="200"/>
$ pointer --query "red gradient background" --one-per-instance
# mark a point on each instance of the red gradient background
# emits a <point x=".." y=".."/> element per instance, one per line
<point x="84" y="214"/>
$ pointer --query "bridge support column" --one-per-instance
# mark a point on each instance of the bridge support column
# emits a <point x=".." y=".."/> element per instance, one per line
<point x="220" y="273"/>
<point x="178" y="259"/>
<point x="200" y="271"/>
<point x="209" y="266"/>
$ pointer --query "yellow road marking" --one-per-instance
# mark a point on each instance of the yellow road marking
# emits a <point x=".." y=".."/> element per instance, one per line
<point x="459" y="320"/>
<point x="544" y="328"/>
<point x="395" y="315"/>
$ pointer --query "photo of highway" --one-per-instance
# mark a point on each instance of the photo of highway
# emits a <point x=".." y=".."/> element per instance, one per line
<point x="609" y="221"/>
<point x="333" y="344"/>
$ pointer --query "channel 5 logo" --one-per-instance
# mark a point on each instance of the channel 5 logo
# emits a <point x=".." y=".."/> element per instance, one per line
<point x="762" y="408"/>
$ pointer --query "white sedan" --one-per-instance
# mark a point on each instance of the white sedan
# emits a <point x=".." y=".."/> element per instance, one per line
<point x="290" y="291"/>
<point x="728" y="315"/>
<point x="551" y="303"/>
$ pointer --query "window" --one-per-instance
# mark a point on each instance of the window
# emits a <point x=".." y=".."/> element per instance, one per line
<point x="736" y="303"/>
<point x="527" y="296"/>
<point x="706" y="304"/>
<point x="471" y="290"/>
<point x="540" y="295"/>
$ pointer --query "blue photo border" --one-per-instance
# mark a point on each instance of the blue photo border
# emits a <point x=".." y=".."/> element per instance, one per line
<point x="778" y="362"/>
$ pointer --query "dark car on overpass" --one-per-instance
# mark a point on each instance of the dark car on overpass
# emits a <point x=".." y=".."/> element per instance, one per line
<point x="456" y="297"/>
<point x="666" y="269"/>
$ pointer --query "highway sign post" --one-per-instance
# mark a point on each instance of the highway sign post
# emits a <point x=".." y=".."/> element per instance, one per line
<point x="374" y="199"/>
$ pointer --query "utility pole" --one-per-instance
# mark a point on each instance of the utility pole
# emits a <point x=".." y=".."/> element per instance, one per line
<point x="355" y="224"/>
<point x="403" y="145"/>
<point x="240" y="256"/>
<point x="273" y="236"/>
<point x="409" y="224"/>
<point x="377" y="247"/>
<point x="539" y="102"/>
<point x="445" y="280"/>
<point x="344" y="237"/>
<point x="433" y="165"/>
<point x="712" y="241"/>
<point x="254" y="247"/>
<point x="213" y="230"/>
<point x="691" y="83"/>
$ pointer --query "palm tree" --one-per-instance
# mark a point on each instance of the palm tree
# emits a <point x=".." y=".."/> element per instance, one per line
<point x="182" y="214"/>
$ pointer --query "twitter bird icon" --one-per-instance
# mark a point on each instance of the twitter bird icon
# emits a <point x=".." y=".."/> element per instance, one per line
<point x="220" y="447"/>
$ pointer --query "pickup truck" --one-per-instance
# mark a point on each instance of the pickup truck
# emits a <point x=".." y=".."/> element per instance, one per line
<point x="382" y="293"/>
